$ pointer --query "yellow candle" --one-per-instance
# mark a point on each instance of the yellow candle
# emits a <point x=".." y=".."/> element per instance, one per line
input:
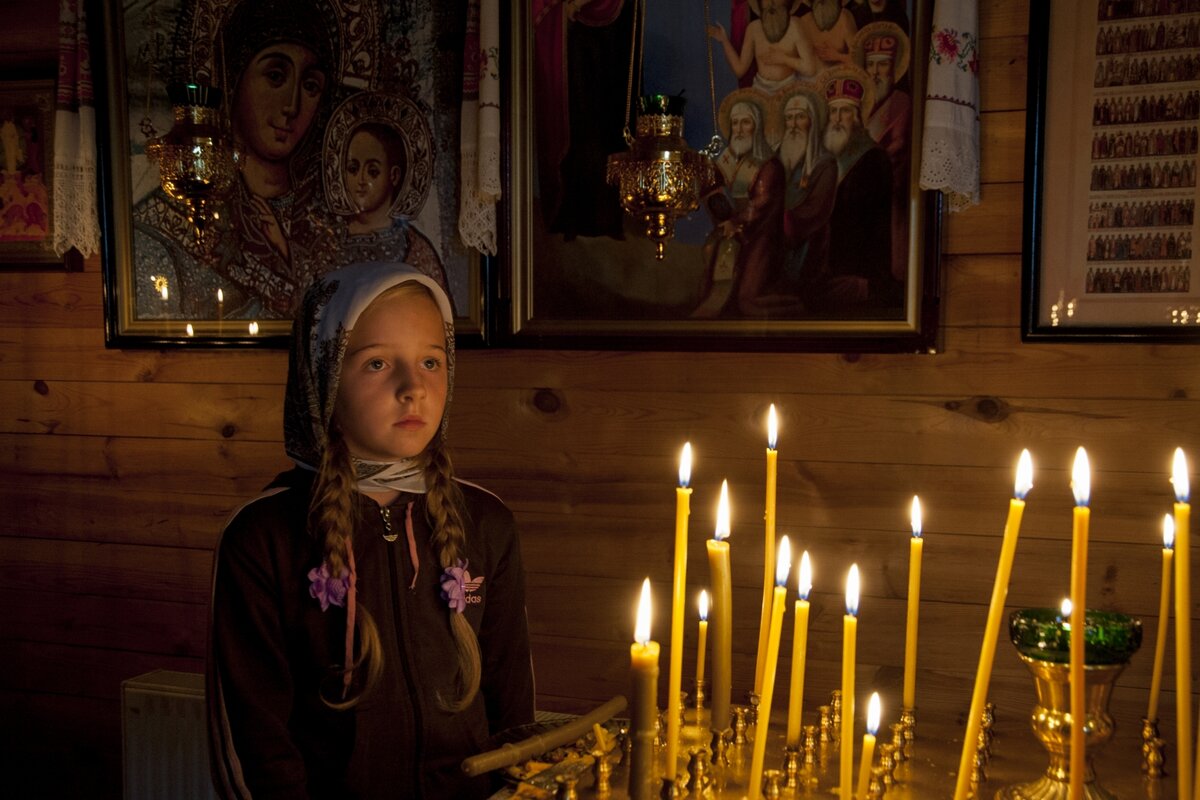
<point x="915" y="546"/>
<point x="1081" y="486"/>
<point x="703" y="636"/>
<point x="868" y="748"/>
<point x="991" y="632"/>
<point x="778" y="596"/>
<point x="849" y="636"/>
<point x="675" y="675"/>
<point x="1164" y="611"/>
<point x="643" y="657"/>
<point x="799" y="654"/>
<point x="722" y="613"/>
<point x="1183" y="626"/>
<point x="768" y="548"/>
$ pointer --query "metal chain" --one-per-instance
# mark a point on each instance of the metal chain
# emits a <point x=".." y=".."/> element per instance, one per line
<point x="717" y="144"/>
<point x="629" y="85"/>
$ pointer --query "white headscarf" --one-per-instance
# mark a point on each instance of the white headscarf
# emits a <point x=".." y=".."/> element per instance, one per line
<point x="331" y="307"/>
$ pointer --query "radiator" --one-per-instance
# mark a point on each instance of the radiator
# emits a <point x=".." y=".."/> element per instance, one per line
<point x="165" y="748"/>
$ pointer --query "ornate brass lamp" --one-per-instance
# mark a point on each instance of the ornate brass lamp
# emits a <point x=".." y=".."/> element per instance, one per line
<point x="196" y="160"/>
<point x="659" y="178"/>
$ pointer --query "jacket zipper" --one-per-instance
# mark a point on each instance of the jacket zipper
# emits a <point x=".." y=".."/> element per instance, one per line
<point x="386" y="515"/>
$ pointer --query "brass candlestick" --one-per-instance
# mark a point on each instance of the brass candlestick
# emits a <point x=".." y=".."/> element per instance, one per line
<point x="908" y="720"/>
<point x="900" y="753"/>
<point x="825" y="724"/>
<point x="835" y="719"/>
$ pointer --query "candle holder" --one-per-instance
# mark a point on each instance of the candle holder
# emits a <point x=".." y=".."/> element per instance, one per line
<point x="566" y="787"/>
<point x="791" y="767"/>
<point x="739" y="725"/>
<point x="700" y="697"/>
<point x="875" y="788"/>
<point x="835" y="716"/>
<point x="602" y="772"/>
<point x="987" y="725"/>
<point x="1043" y="644"/>
<point x="887" y="765"/>
<point x="698" y="778"/>
<point x="1155" y="758"/>
<point x="810" y="745"/>
<point x="720" y="748"/>
<point x="898" y="742"/>
<point x="908" y="719"/>
<point x="825" y="724"/>
<point x="751" y="708"/>
<point x="772" y="783"/>
<point x="1149" y="736"/>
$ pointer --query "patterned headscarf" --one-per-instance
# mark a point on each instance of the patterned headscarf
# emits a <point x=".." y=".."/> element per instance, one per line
<point x="320" y="333"/>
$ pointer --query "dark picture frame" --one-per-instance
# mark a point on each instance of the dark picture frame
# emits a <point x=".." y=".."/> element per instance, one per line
<point x="385" y="70"/>
<point x="26" y="178"/>
<point x="582" y="274"/>
<point x="1110" y="173"/>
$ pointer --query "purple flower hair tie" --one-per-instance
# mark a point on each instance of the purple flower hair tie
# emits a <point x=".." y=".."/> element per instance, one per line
<point x="326" y="588"/>
<point x="454" y="590"/>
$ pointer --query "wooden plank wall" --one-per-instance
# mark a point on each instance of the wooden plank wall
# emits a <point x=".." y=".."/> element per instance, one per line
<point x="118" y="468"/>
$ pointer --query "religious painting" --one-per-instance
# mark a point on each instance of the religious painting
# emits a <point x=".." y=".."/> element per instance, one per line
<point x="811" y="233"/>
<point x="342" y="119"/>
<point x="26" y="168"/>
<point x="1110" y="183"/>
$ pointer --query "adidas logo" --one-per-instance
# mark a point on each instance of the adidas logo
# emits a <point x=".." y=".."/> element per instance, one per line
<point x="471" y="587"/>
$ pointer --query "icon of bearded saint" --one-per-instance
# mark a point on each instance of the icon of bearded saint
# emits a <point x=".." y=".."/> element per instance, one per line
<point x="825" y="13"/>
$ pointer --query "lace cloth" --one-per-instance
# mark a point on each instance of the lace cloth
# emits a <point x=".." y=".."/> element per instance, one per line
<point x="479" y="143"/>
<point x="76" y="219"/>
<point x="950" y="141"/>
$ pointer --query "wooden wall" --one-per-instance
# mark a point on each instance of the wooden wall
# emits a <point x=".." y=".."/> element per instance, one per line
<point x="117" y="469"/>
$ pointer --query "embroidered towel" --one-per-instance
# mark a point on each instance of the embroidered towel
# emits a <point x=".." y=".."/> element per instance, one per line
<point x="950" y="142"/>
<point x="76" y="219"/>
<point x="479" y="137"/>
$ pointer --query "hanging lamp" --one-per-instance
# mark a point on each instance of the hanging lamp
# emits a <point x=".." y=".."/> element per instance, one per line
<point x="659" y="178"/>
<point x="196" y="160"/>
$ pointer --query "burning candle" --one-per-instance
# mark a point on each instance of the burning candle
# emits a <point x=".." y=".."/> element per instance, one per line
<point x="675" y="676"/>
<point x="868" y="748"/>
<point x="799" y="653"/>
<point x="991" y="632"/>
<point x="915" y="546"/>
<point x="1183" y="625"/>
<point x="643" y="656"/>
<point x="1081" y="485"/>
<point x="768" y="548"/>
<point x="1164" y="611"/>
<point x="778" y="596"/>
<point x="702" y="638"/>
<point x="849" y="643"/>
<point x="722" y="613"/>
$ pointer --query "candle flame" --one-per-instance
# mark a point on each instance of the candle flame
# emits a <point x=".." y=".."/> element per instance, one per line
<point x="1168" y="532"/>
<point x="1067" y="608"/>
<point x="722" y="531"/>
<point x="1024" y="475"/>
<point x="1179" y="476"/>
<point x="915" y="516"/>
<point x="190" y="330"/>
<point x="852" y="591"/>
<point x="1081" y="478"/>
<point x="805" y="576"/>
<point x="772" y="428"/>
<point x="685" y="465"/>
<point x="166" y="294"/>
<point x="783" y="562"/>
<point x="703" y="604"/>
<point x="873" y="712"/>
<point x="220" y="296"/>
<point x="641" y="631"/>
<point x="253" y="328"/>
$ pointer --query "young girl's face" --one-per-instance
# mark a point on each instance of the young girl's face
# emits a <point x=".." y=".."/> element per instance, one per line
<point x="394" y="378"/>
<point x="370" y="180"/>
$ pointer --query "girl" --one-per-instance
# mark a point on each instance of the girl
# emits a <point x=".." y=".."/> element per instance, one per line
<point x="368" y="622"/>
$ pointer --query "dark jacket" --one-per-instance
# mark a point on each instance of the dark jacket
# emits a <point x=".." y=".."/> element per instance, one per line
<point x="274" y="653"/>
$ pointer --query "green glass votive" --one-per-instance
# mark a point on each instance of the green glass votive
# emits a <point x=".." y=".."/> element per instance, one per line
<point x="1044" y="635"/>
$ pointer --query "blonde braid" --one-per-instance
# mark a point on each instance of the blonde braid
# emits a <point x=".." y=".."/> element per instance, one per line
<point x="445" y="507"/>
<point x="332" y="517"/>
